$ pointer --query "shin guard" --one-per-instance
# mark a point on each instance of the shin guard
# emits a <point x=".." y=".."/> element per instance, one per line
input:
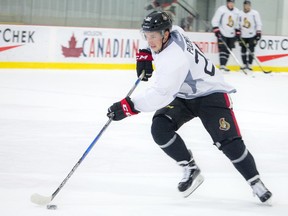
<point x="241" y="158"/>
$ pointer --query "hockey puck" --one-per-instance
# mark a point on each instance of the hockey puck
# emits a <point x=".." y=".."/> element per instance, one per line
<point x="51" y="207"/>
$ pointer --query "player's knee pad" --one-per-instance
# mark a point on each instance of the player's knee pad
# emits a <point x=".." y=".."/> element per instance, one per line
<point x="243" y="49"/>
<point x="222" y="48"/>
<point x="234" y="149"/>
<point x="162" y="130"/>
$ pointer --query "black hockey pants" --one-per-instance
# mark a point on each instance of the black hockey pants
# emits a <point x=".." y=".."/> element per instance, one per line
<point x="218" y="118"/>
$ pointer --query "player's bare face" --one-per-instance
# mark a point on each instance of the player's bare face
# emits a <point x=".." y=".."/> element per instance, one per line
<point x="230" y="5"/>
<point x="247" y="7"/>
<point x="154" y="40"/>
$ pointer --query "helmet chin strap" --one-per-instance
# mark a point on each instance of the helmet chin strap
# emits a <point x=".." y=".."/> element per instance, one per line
<point x="163" y="44"/>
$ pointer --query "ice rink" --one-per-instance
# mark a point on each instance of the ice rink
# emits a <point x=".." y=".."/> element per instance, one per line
<point x="49" y="117"/>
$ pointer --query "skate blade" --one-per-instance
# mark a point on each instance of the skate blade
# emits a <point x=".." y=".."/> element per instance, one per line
<point x="268" y="202"/>
<point x="196" y="183"/>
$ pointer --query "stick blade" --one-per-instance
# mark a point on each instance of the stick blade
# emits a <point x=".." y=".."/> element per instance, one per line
<point x="40" y="200"/>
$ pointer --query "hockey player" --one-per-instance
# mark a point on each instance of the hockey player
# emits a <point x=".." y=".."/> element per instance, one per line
<point x="224" y="23"/>
<point x="186" y="85"/>
<point x="250" y="26"/>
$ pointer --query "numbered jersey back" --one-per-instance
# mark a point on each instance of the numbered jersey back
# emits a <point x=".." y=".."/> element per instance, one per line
<point x="202" y="77"/>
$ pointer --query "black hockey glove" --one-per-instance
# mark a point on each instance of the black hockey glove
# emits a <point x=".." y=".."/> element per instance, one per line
<point x="238" y="35"/>
<point x="217" y="32"/>
<point x="258" y="36"/>
<point x="122" y="109"/>
<point x="144" y="63"/>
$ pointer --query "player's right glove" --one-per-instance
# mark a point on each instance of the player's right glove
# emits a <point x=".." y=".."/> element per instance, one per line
<point x="144" y="63"/>
<point x="217" y="32"/>
<point x="122" y="109"/>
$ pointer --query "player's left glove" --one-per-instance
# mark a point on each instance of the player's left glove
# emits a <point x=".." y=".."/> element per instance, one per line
<point x="238" y="34"/>
<point x="258" y="35"/>
<point x="144" y="63"/>
<point x="122" y="109"/>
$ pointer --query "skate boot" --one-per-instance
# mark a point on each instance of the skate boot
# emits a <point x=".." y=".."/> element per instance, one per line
<point x="223" y="68"/>
<point x="192" y="178"/>
<point x="248" y="67"/>
<point x="260" y="190"/>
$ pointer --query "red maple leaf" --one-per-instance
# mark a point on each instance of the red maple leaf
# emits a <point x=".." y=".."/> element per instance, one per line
<point x="72" y="50"/>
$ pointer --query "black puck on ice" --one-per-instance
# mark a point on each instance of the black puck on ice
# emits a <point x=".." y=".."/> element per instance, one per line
<point x="51" y="207"/>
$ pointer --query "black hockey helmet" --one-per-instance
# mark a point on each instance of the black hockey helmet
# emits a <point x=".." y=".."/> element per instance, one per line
<point x="157" y="21"/>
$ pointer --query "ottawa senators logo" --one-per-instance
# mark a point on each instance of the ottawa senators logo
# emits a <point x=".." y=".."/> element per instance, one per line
<point x="246" y="23"/>
<point x="230" y="21"/>
<point x="224" y="125"/>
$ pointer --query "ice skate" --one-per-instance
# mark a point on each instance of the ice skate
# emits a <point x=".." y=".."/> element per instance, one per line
<point x="246" y="67"/>
<point x="261" y="191"/>
<point x="192" y="178"/>
<point x="224" y="68"/>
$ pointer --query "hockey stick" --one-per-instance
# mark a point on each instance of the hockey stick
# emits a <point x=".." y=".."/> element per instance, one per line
<point x="230" y="51"/>
<point x="254" y="57"/>
<point x="43" y="200"/>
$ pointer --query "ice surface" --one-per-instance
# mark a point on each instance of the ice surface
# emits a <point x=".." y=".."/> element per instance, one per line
<point x="49" y="117"/>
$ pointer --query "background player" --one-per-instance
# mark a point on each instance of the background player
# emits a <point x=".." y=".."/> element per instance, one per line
<point x="250" y="26"/>
<point x="224" y="23"/>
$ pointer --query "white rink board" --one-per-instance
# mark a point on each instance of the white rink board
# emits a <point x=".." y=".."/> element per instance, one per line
<point x="45" y="44"/>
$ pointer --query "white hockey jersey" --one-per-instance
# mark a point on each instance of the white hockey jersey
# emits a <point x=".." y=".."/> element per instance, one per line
<point x="181" y="70"/>
<point x="226" y="20"/>
<point x="249" y="23"/>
